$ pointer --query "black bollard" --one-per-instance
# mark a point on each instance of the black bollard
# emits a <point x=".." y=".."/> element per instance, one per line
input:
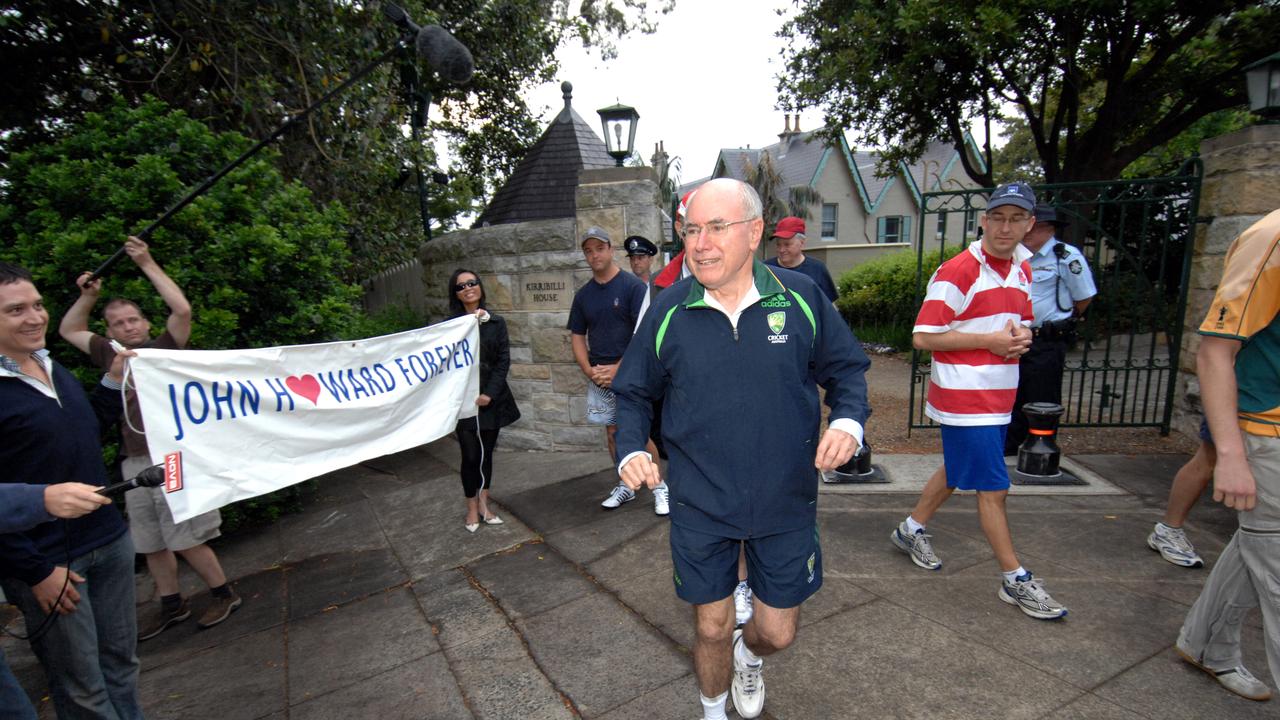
<point x="858" y="470"/>
<point x="1039" y="454"/>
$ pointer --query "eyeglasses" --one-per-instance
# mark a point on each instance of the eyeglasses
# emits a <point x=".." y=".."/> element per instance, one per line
<point x="715" y="229"/>
<point x="1007" y="219"/>
<point x="465" y="284"/>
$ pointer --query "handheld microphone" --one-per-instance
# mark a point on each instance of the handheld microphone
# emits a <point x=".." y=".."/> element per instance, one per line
<point x="150" y="477"/>
<point x="443" y="52"/>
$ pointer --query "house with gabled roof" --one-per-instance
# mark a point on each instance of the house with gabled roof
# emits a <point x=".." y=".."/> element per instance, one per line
<point x="861" y="215"/>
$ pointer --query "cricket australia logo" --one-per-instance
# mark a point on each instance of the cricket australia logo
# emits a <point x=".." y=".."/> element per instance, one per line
<point x="777" y="321"/>
<point x="812" y="561"/>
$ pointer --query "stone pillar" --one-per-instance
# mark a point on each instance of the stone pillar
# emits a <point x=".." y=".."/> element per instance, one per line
<point x="1241" y="184"/>
<point x="530" y="272"/>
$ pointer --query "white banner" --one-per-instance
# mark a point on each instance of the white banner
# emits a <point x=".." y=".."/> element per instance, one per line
<point x="234" y="424"/>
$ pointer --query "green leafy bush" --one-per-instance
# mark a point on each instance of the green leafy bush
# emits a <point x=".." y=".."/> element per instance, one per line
<point x="261" y="262"/>
<point x="878" y="298"/>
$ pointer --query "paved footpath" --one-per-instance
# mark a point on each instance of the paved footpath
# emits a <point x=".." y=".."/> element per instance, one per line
<point x="373" y="602"/>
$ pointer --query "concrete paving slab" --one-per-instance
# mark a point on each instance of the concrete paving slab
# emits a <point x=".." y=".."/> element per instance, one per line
<point x="245" y="553"/>
<point x="1166" y="687"/>
<point x="630" y="544"/>
<point x="834" y="597"/>
<point x="891" y="663"/>
<point x="519" y="471"/>
<point x="241" y="678"/>
<point x="349" y="644"/>
<point x="600" y="654"/>
<point x="326" y="581"/>
<point x="568" y="503"/>
<point x="501" y="680"/>
<point x="264" y="607"/>
<point x="857" y="545"/>
<point x="1081" y="649"/>
<point x="425" y="529"/>
<point x="459" y="611"/>
<point x="421" y="689"/>
<point x="412" y="465"/>
<point x="676" y="699"/>
<point x="330" y="530"/>
<point x="1092" y="707"/>
<point x="653" y="597"/>
<point x="1102" y="544"/>
<point x="531" y="579"/>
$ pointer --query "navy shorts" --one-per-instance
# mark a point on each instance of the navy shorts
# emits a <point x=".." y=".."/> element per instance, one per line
<point x="974" y="457"/>
<point x="783" y="570"/>
<point x="1205" y="437"/>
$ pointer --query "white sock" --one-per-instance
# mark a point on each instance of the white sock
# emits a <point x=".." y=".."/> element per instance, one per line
<point x="1013" y="575"/>
<point x="913" y="526"/>
<point x="743" y="654"/>
<point x="713" y="708"/>
<point x="1165" y="526"/>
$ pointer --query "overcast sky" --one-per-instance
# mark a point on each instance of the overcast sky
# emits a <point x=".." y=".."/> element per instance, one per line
<point x="705" y="80"/>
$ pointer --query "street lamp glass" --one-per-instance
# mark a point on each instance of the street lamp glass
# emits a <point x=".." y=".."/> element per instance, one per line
<point x="1263" y="79"/>
<point x="619" y="123"/>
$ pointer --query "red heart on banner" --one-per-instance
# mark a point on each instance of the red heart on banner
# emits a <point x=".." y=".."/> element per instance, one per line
<point x="307" y="386"/>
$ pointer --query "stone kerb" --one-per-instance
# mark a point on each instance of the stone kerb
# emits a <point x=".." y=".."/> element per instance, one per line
<point x="1241" y="184"/>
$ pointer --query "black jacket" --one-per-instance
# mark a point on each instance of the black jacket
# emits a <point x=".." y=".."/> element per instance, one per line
<point x="495" y="362"/>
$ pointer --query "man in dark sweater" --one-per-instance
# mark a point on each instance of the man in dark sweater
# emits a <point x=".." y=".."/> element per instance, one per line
<point x="78" y="571"/>
<point x="788" y="238"/>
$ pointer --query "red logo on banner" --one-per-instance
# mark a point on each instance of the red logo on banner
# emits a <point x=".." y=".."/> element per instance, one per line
<point x="173" y="472"/>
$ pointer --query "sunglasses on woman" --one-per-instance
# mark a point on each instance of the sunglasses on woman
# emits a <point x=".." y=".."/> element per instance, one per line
<point x="465" y="284"/>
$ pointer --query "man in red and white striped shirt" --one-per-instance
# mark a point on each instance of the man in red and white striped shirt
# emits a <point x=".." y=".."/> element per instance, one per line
<point x="976" y="321"/>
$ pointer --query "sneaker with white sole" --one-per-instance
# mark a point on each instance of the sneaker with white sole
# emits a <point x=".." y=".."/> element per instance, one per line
<point x="1173" y="545"/>
<point x="1029" y="595"/>
<point x="620" y="494"/>
<point x="661" y="500"/>
<point x="1237" y="679"/>
<point x="743" y="606"/>
<point x="918" y="545"/>
<point x="748" y="683"/>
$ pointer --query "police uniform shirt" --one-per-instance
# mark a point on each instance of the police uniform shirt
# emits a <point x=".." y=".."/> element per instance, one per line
<point x="1069" y="277"/>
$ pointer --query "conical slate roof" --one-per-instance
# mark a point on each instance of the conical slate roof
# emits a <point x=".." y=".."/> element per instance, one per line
<point x="544" y="184"/>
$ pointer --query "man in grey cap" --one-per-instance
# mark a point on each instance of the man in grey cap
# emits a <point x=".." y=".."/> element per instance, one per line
<point x="602" y="318"/>
<point x="1061" y="288"/>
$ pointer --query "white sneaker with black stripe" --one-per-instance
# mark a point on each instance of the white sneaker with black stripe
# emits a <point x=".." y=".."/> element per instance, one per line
<point x="621" y="494"/>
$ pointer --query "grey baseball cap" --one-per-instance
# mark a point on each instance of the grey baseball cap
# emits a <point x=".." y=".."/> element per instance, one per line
<point x="596" y="233"/>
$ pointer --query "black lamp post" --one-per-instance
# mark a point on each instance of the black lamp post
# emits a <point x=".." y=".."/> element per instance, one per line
<point x="1263" y="79"/>
<point x="619" y="123"/>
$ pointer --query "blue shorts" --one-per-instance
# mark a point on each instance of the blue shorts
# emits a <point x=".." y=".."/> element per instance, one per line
<point x="1205" y="437"/>
<point x="783" y="570"/>
<point x="974" y="457"/>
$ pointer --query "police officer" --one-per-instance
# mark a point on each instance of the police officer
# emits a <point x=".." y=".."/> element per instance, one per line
<point x="1061" y="288"/>
<point x="640" y="254"/>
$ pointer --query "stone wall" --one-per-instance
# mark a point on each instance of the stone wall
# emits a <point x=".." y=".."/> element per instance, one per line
<point x="530" y="272"/>
<point x="1241" y="184"/>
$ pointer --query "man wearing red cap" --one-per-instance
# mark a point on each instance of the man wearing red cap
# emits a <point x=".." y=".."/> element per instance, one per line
<point x="789" y="238"/>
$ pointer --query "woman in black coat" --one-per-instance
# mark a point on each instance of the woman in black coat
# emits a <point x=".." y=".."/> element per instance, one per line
<point x="478" y="436"/>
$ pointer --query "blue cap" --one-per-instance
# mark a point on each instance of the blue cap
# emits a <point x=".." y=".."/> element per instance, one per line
<point x="639" y="245"/>
<point x="1018" y="194"/>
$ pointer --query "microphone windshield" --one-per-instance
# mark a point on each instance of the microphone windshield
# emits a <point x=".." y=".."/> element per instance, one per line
<point x="449" y="58"/>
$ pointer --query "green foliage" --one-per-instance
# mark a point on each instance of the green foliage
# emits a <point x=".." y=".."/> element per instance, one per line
<point x="880" y="298"/>
<point x="265" y="509"/>
<point x="1097" y="84"/>
<point x="388" y="320"/>
<point x="260" y="261"/>
<point x="247" y="66"/>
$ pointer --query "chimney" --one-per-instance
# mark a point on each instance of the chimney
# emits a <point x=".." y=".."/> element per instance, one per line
<point x="786" y="130"/>
<point x="797" y="122"/>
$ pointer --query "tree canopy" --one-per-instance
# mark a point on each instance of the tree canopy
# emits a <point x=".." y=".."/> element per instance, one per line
<point x="247" y="66"/>
<point x="1097" y="84"/>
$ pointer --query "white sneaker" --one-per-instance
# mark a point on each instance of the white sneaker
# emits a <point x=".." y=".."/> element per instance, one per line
<point x="1237" y="679"/>
<point x="748" y="683"/>
<point x="621" y="494"/>
<point x="661" y="500"/>
<point x="743" y="607"/>
<point x="1173" y="545"/>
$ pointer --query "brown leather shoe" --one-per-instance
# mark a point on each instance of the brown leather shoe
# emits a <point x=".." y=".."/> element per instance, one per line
<point x="219" y="609"/>
<point x="159" y="620"/>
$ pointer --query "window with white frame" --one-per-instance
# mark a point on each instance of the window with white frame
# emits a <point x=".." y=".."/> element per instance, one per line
<point x="942" y="225"/>
<point x="893" y="229"/>
<point x="970" y="223"/>
<point x="830" y="212"/>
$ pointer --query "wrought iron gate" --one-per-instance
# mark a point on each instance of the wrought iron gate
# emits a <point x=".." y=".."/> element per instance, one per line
<point x="1138" y="236"/>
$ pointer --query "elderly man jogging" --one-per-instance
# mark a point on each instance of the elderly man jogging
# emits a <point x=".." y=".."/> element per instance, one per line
<point x="737" y="353"/>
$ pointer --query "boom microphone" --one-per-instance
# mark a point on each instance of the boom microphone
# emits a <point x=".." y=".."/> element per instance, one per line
<point x="442" y="51"/>
<point x="149" y="477"/>
<point x="445" y="54"/>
